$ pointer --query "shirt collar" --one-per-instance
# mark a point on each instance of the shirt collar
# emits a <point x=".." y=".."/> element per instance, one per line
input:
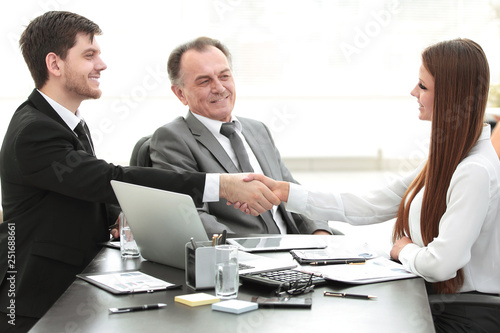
<point x="71" y="119"/>
<point x="215" y="125"/>
<point x="486" y="133"/>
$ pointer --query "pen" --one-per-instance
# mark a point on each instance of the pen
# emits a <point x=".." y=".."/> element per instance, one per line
<point x="193" y="243"/>
<point x="223" y="237"/>
<point x="353" y="261"/>
<point x="330" y="293"/>
<point x="137" y="308"/>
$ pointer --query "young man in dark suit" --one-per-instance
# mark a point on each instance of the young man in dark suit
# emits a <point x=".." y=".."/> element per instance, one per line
<point x="56" y="194"/>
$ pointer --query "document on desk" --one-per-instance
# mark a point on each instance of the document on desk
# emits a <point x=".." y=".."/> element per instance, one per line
<point x="374" y="270"/>
<point x="127" y="282"/>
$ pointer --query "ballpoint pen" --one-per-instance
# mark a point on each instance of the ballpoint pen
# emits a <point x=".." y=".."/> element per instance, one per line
<point x="223" y="237"/>
<point x="345" y="295"/>
<point x="137" y="308"/>
<point x="193" y="243"/>
<point x="353" y="261"/>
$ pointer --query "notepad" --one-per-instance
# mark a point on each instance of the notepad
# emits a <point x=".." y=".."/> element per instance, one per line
<point x="196" y="299"/>
<point x="235" y="306"/>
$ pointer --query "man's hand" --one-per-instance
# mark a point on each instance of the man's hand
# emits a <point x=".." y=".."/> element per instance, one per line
<point x="257" y="196"/>
<point x="321" y="232"/>
<point x="114" y="229"/>
<point x="280" y="188"/>
<point x="398" y="246"/>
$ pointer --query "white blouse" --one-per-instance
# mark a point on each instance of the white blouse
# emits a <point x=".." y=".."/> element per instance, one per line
<point x="469" y="230"/>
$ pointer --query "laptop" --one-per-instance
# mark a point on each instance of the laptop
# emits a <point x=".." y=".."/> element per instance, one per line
<point x="163" y="222"/>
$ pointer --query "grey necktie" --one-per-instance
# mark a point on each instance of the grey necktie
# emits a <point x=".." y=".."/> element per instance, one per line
<point x="229" y="131"/>
<point x="84" y="136"/>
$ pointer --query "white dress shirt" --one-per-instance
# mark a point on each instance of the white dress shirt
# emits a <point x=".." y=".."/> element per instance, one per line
<point x="71" y="119"/>
<point x="469" y="230"/>
<point x="214" y="127"/>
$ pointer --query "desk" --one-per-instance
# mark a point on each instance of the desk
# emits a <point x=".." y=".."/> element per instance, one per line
<point x="401" y="306"/>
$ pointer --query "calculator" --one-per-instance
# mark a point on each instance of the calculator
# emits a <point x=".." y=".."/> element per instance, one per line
<point x="276" y="279"/>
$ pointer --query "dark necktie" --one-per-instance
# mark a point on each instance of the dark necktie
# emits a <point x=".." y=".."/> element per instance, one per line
<point x="84" y="136"/>
<point x="229" y="131"/>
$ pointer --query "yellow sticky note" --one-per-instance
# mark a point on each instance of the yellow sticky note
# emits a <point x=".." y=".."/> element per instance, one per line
<point x="196" y="299"/>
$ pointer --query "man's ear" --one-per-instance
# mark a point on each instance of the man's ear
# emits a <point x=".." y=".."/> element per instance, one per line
<point x="52" y="61"/>
<point x="179" y="93"/>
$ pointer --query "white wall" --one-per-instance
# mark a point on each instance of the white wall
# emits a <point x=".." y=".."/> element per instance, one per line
<point x="330" y="78"/>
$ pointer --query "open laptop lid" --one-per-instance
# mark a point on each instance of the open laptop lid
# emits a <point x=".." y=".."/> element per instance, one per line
<point x="162" y="222"/>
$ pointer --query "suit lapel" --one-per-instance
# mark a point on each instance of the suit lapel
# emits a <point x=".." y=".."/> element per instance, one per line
<point x="203" y="136"/>
<point x="270" y="166"/>
<point x="260" y="150"/>
<point x="44" y="107"/>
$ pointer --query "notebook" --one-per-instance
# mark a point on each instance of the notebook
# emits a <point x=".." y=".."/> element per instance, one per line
<point x="163" y="222"/>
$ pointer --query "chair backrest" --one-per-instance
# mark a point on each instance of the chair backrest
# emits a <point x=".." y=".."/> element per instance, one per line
<point x="471" y="299"/>
<point x="140" y="153"/>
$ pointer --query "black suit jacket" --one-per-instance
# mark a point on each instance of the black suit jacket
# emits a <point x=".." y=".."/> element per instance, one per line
<point x="55" y="198"/>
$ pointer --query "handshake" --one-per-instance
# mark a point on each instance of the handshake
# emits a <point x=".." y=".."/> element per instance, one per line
<point x="252" y="193"/>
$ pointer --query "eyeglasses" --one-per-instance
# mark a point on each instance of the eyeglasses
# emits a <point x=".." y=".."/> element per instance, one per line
<point x="297" y="287"/>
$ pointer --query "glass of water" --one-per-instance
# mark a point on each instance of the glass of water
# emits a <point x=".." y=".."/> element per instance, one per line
<point x="226" y="271"/>
<point x="128" y="246"/>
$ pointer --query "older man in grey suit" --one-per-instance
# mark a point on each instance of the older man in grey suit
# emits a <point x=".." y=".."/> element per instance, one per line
<point x="210" y="139"/>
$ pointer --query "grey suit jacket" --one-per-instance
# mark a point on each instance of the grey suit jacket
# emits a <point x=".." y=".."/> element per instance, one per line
<point x="185" y="144"/>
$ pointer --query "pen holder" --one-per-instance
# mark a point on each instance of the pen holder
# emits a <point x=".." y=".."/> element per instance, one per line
<point x="200" y="265"/>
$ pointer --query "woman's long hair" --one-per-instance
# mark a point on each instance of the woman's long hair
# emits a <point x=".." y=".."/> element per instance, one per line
<point x="461" y="83"/>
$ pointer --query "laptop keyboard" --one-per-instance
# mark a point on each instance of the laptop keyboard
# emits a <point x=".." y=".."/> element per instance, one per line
<point x="277" y="278"/>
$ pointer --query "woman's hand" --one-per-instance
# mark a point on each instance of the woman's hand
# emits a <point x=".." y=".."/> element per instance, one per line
<point x="279" y="188"/>
<point x="398" y="246"/>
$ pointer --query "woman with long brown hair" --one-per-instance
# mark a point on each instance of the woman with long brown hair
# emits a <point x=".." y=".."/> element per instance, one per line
<point x="447" y="211"/>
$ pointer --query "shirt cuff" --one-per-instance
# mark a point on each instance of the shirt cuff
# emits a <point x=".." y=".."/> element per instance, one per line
<point x="212" y="187"/>
<point x="297" y="199"/>
<point x="407" y="256"/>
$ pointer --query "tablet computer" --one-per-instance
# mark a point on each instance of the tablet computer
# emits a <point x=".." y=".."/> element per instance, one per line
<point x="278" y="243"/>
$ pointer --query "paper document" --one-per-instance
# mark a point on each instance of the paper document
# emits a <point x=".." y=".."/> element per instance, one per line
<point x="374" y="270"/>
<point x="127" y="282"/>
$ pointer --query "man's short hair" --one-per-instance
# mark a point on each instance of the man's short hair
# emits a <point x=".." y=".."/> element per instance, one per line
<point x="199" y="44"/>
<point x="54" y="31"/>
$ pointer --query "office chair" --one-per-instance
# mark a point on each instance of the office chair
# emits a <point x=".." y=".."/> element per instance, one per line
<point x="437" y="300"/>
<point x="140" y="153"/>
